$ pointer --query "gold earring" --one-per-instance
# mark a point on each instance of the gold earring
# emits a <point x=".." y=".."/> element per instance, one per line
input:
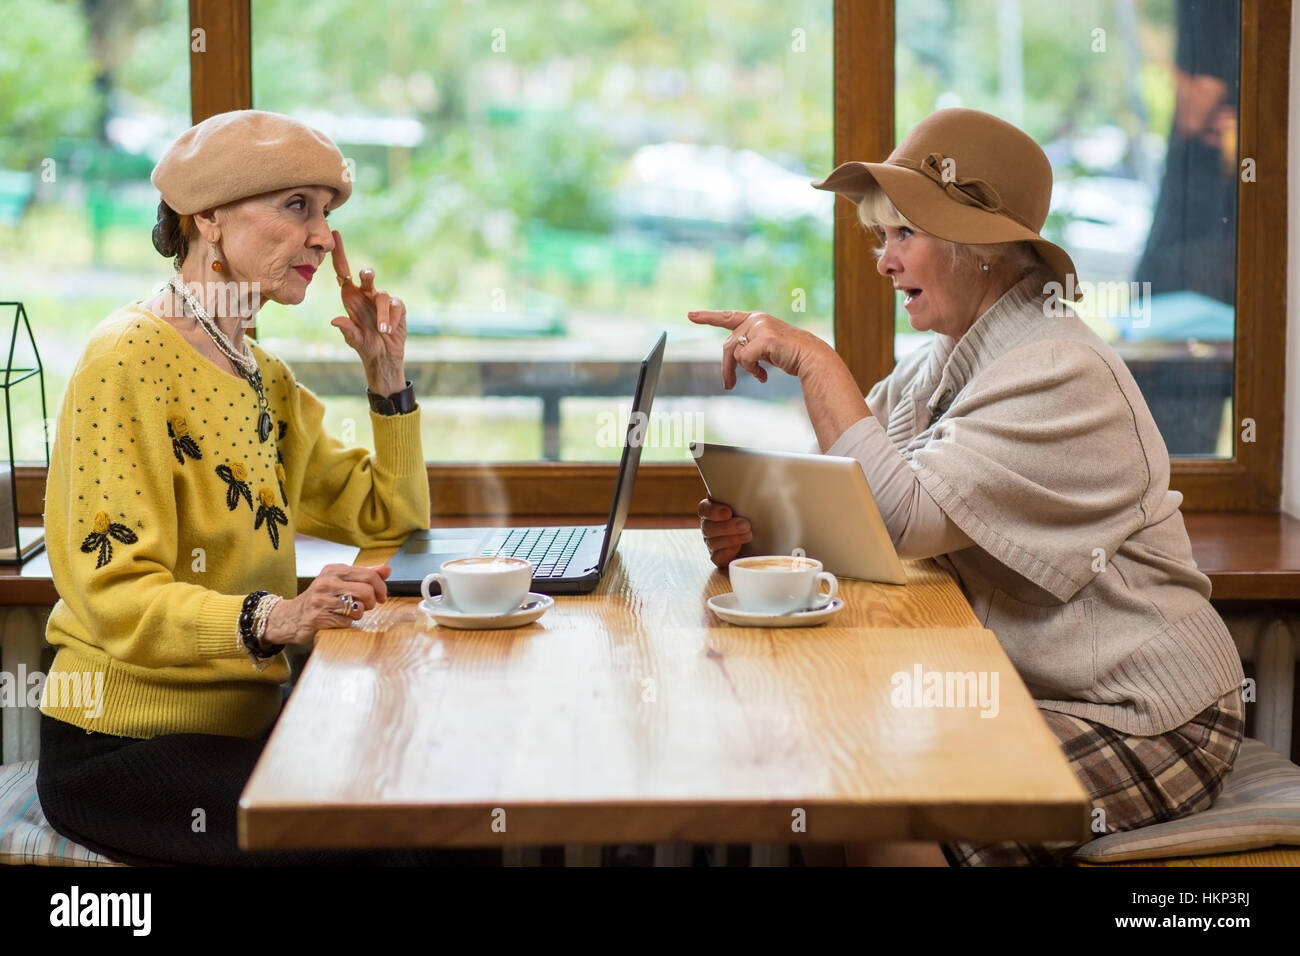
<point x="217" y="266"/>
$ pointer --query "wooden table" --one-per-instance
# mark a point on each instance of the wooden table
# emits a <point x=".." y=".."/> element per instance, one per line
<point x="633" y="715"/>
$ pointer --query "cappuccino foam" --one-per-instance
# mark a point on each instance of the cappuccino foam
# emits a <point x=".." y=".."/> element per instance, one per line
<point x="485" y="565"/>
<point x="778" y="564"/>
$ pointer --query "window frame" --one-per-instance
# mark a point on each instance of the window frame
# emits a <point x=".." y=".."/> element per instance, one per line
<point x="1251" y="480"/>
<point x="221" y="79"/>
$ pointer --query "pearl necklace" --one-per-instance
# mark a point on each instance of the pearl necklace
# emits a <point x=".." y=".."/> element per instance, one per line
<point x="246" y="363"/>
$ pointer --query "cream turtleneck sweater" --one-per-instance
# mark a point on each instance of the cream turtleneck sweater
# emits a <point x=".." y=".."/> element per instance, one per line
<point x="1024" y="458"/>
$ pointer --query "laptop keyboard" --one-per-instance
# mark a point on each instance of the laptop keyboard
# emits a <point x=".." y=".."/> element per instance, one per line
<point x="549" y="550"/>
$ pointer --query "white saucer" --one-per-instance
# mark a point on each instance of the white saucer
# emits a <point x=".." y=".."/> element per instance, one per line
<point x="532" y="607"/>
<point x="728" y="608"/>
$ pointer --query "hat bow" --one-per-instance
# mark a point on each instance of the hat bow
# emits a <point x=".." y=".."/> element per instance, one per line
<point x="967" y="190"/>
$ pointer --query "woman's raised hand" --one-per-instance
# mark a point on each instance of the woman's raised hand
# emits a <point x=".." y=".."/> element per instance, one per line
<point x="375" y="325"/>
<point x="758" y="337"/>
<point x="830" y="392"/>
<point x="724" y="533"/>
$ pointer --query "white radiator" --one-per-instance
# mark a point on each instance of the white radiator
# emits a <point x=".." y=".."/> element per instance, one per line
<point x="1272" y="643"/>
<point x="22" y="637"/>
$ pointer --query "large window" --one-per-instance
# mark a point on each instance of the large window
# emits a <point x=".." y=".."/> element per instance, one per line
<point x="551" y="171"/>
<point x="1136" y="105"/>
<point x="550" y="185"/>
<point x="90" y="96"/>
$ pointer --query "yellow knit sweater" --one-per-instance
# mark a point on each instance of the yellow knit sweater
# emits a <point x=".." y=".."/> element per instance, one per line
<point x="163" y="511"/>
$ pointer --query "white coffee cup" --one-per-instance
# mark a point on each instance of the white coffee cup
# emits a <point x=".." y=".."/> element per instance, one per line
<point x="481" y="585"/>
<point x="780" y="583"/>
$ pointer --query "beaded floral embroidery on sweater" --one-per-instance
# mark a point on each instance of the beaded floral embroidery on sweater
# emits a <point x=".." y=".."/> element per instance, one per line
<point x="182" y="444"/>
<point x="98" y="539"/>
<point x="235" y="476"/>
<point x="271" y="514"/>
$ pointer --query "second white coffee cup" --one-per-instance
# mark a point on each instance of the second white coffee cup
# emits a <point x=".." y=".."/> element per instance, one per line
<point x="481" y="585"/>
<point x="780" y="583"/>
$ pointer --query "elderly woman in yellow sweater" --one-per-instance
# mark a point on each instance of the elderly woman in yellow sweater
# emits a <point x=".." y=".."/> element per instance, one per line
<point x="186" y="459"/>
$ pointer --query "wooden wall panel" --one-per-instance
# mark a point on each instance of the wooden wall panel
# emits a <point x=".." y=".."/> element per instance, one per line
<point x="221" y="75"/>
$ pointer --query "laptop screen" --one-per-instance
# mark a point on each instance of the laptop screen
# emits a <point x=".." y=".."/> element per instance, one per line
<point x="637" y="428"/>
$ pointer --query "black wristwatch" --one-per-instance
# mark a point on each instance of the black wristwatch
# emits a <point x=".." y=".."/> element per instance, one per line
<point x="399" y="403"/>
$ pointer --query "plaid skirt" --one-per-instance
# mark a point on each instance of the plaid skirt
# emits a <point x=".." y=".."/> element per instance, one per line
<point x="1135" y="781"/>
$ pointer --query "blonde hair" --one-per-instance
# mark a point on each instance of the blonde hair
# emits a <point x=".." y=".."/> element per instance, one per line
<point x="877" y="212"/>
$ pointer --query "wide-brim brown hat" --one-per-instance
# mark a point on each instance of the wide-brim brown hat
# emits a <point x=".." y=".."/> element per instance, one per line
<point x="242" y="153"/>
<point x="969" y="177"/>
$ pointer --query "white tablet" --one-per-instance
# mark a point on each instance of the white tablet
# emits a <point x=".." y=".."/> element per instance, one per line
<point x="820" y="503"/>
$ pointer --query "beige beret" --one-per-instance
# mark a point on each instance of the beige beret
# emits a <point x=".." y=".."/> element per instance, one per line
<point x="244" y="153"/>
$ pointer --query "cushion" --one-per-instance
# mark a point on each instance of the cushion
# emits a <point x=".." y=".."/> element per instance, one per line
<point x="26" y="839"/>
<point x="1259" y="807"/>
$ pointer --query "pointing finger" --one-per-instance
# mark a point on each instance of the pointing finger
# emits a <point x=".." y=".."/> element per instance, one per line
<point x="725" y="318"/>
<point x="339" y="258"/>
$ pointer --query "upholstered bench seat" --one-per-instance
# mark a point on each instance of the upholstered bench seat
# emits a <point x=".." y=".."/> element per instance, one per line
<point x="26" y="839"/>
<point x="1258" y="813"/>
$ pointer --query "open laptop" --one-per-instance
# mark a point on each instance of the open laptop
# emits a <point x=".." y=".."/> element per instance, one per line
<point x="568" y="559"/>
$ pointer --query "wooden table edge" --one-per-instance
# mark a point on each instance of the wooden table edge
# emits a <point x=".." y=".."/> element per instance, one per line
<point x="482" y="825"/>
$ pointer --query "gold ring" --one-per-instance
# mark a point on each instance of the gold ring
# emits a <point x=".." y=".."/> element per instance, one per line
<point x="344" y="280"/>
<point x="742" y="341"/>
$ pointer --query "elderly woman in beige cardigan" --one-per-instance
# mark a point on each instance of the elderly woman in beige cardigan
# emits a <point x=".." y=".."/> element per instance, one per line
<point x="1016" y="449"/>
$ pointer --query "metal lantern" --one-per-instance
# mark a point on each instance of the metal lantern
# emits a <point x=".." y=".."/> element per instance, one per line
<point x="17" y="543"/>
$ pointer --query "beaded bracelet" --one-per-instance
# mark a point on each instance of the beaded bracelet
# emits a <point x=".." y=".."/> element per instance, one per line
<point x="262" y="615"/>
<point x="247" y="634"/>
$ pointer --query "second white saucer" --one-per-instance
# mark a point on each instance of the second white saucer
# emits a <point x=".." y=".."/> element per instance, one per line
<point x="727" y="607"/>
<point x="530" y="609"/>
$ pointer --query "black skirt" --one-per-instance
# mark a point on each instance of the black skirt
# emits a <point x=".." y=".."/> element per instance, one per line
<point x="172" y="799"/>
